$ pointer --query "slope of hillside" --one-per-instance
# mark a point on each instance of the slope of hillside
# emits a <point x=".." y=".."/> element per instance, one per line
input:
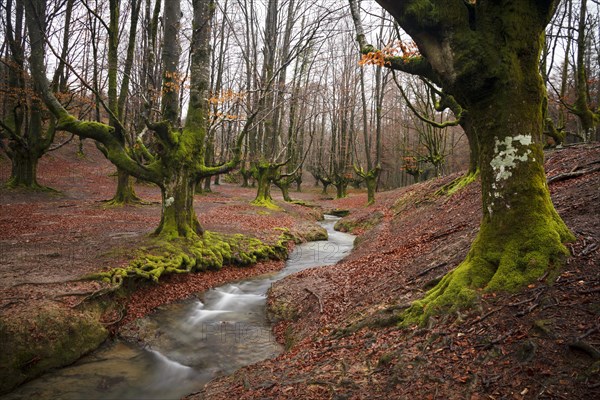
<point x="339" y="326"/>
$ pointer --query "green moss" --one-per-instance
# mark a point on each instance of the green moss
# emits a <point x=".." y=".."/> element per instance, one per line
<point x="502" y="258"/>
<point x="365" y="223"/>
<point x="338" y="212"/>
<point x="266" y="203"/>
<point x="53" y="338"/>
<point x="211" y="251"/>
<point x="458" y="184"/>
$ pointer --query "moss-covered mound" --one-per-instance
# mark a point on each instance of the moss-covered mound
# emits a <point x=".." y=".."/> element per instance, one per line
<point x="359" y="223"/>
<point x="212" y="251"/>
<point x="53" y="338"/>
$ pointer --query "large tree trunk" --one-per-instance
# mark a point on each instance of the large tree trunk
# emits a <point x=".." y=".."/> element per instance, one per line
<point x="521" y="235"/>
<point x="486" y="55"/>
<point x="24" y="170"/>
<point x="178" y="218"/>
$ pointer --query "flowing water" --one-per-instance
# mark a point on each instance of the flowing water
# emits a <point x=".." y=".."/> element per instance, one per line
<point x="191" y="342"/>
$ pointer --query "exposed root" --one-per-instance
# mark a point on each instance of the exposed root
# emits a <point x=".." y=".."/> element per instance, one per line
<point x="573" y="174"/>
<point x="496" y="262"/>
<point x="119" y="201"/>
<point x="586" y="348"/>
<point x="36" y="187"/>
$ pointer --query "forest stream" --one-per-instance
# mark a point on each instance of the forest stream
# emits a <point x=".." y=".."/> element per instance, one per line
<point x="190" y="342"/>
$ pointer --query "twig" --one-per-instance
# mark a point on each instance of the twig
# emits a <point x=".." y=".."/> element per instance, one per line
<point x="486" y="315"/>
<point x="588" y="291"/>
<point x="425" y="272"/>
<point x="10" y="303"/>
<point x="570" y="175"/>
<point x="497" y="340"/>
<point x="589" y="332"/>
<point x="87" y="292"/>
<point x="588" y="249"/>
<point x="121" y="316"/>
<point x="318" y="298"/>
<point x="527" y="310"/>
<point x="46" y="283"/>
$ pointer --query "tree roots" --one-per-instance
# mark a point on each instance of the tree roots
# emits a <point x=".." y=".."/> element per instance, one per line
<point x="211" y="251"/>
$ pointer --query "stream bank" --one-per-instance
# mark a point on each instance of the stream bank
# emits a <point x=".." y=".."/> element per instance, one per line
<point x="183" y="345"/>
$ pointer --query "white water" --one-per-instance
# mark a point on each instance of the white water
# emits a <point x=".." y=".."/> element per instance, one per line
<point x="192" y="341"/>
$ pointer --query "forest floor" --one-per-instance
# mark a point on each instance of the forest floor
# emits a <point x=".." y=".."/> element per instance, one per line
<point x="540" y="343"/>
<point x="338" y="323"/>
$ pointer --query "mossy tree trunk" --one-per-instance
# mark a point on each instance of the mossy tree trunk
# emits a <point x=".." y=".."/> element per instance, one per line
<point x="284" y="183"/>
<point x="24" y="170"/>
<point x="370" y="178"/>
<point x="521" y="235"/>
<point x="486" y="55"/>
<point x="125" y="193"/>
<point x="265" y="173"/>
<point x="178" y="218"/>
<point x="371" y="183"/>
<point x="341" y="188"/>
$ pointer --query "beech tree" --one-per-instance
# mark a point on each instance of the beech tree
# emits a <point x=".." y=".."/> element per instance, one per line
<point x="486" y="55"/>
<point x="178" y="164"/>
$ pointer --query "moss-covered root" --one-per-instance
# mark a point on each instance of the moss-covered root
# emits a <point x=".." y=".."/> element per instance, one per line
<point x="14" y="184"/>
<point x="458" y="184"/>
<point x="497" y="262"/>
<point x="211" y="251"/>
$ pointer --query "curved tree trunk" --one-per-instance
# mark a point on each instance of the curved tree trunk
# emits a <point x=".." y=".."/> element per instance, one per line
<point x="284" y="186"/>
